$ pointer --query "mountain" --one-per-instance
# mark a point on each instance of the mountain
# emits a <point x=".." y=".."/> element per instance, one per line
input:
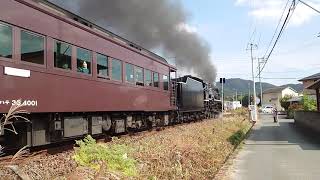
<point x="242" y="86"/>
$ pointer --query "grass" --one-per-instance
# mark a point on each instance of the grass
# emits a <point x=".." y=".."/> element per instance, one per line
<point x="190" y="151"/>
<point x="93" y="155"/>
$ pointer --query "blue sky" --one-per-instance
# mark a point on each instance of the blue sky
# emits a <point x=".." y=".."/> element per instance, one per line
<point x="228" y="25"/>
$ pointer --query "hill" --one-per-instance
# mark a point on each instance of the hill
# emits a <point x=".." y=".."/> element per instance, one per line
<point x="242" y="86"/>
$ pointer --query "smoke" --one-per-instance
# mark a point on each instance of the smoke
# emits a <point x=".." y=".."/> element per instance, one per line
<point x="153" y="24"/>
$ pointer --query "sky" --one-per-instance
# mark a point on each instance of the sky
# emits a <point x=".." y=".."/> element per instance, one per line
<point x="229" y="25"/>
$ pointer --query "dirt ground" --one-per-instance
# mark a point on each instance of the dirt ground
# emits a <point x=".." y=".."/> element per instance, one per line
<point x="189" y="151"/>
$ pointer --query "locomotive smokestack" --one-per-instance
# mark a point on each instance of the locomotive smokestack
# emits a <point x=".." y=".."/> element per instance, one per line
<point x="154" y="24"/>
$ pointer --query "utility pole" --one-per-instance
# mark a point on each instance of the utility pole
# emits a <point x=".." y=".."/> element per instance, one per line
<point x="222" y="81"/>
<point x="236" y="95"/>
<point x="259" y="64"/>
<point x="249" y="96"/>
<point x="254" y="82"/>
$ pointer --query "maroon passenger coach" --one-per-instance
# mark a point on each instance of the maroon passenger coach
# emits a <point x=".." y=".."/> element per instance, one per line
<point x="75" y="77"/>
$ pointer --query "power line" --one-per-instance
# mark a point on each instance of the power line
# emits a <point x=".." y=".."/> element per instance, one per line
<point x="310" y="6"/>
<point x="291" y="9"/>
<point x="276" y="30"/>
<point x="279" y="78"/>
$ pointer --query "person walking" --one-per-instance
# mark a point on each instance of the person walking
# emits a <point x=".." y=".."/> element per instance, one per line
<point x="275" y="114"/>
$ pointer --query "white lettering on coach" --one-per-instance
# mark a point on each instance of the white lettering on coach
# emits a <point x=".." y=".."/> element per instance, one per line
<point x="17" y="72"/>
<point x="32" y="103"/>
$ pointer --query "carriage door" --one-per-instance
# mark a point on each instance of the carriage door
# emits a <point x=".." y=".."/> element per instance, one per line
<point x="173" y="87"/>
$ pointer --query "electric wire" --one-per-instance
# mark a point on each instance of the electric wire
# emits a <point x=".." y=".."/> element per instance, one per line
<point x="284" y="25"/>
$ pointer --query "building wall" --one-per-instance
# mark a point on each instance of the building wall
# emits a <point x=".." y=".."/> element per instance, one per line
<point x="289" y="92"/>
<point x="308" y="91"/>
<point x="274" y="98"/>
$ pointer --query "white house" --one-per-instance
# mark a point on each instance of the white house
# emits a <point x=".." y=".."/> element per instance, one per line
<point x="272" y="96"/>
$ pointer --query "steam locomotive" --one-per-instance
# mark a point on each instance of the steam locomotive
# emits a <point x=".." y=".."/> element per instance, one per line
<point x="76" y="78"/>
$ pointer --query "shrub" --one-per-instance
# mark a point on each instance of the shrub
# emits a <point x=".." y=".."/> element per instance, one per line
<point x="90" y="154"/>
<point x="284" y="102"/>
<point x="240" y="112"/>
<point x="237" y="137"/>
<point x="292" y="108"/>
<point x="309" y="104"/>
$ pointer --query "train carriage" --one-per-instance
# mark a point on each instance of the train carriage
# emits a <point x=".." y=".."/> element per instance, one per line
<point x="75" y="77"/>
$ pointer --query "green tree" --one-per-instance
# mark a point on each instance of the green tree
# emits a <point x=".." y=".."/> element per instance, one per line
<point x="309" y="104"/>
<point x="245" y="100"/>
<point x="284" y="102"/>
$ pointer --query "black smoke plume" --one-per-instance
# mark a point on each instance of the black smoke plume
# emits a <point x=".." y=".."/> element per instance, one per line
<point x="153" y="24"/>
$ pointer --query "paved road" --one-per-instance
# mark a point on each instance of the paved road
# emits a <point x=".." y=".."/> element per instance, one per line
<point x="278" y="151"/>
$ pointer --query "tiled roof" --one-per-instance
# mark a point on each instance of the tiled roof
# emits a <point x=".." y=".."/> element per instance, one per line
<point x="277" y="90"/>
<point x="315" y="76"/>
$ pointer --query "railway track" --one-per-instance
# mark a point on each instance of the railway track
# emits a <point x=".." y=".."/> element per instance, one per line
<point x="17" y="156"/>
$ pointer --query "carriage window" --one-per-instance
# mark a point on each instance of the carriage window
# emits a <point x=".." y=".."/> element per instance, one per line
<point x="84" y="61"/>
<point x="129" y="73"/>
<point x="138" y="76"/>
<point x="116" y="70"/>
<point x="102" y="66"/>
<point x="165" y="82"/>
<point x="155" y="79"/>
<point x="148" y="79"/>
<point x="62" y="55"/>
<point x="32" y="48"/>
<point x="5" y="41"/>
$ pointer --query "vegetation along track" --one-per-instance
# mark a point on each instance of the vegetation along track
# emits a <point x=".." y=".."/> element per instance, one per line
<point x="187" y="151"/>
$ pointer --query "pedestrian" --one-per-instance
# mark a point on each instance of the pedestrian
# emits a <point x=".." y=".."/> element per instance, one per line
<point x="275" y="114"/>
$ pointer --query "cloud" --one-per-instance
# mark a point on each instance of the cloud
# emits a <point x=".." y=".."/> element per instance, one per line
<point x="271" y="10"/>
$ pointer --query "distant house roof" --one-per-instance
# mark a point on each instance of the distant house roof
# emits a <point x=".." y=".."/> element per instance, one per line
<point x="295" y="99"/>
<point x="312" y="77"/>
<point x="277" y="90"/>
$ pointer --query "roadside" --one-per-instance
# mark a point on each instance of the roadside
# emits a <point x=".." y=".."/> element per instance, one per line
<point x="276" y="151"/>
<point x="190" y="151"/>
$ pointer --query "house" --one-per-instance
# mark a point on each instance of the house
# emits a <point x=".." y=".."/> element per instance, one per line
<point x="308" y="81"/>
<point x="272" y="96"/>
<point x="311" y="85"/>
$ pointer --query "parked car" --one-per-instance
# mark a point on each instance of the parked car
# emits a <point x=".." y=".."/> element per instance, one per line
<point x="267" y="109"/>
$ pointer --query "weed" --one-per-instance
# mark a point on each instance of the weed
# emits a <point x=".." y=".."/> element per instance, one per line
<point x="237" y="137"/>
<point x="90" y="154"/>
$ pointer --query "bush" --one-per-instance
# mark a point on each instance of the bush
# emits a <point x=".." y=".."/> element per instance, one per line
<point x="309" y="104"/>
<point x="284" y="102"/>
<point x="292" y="108"/>
<point x="90" y="154"/>
<point x="240" y="112"/>
<point x="237" y="137"/>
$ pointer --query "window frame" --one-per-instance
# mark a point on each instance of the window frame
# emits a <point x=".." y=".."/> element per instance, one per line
<point x="151" y="76"/>
<point x="61" y="69"/>
<point x="164" y="82"/>
<point x="108" y="66"/>
<point x="44" y="65"/>
<point x="121" y="68"/>
<point x="133" y="74"/>
<point x="153" y="85"/>
<point x="76" y="59"/>
<point x="13" y="49"/>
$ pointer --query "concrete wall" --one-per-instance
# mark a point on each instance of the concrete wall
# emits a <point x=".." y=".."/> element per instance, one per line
<point x="309" y="120"/>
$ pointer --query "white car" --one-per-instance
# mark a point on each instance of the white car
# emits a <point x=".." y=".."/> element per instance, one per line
<point x="267" y="109"/>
